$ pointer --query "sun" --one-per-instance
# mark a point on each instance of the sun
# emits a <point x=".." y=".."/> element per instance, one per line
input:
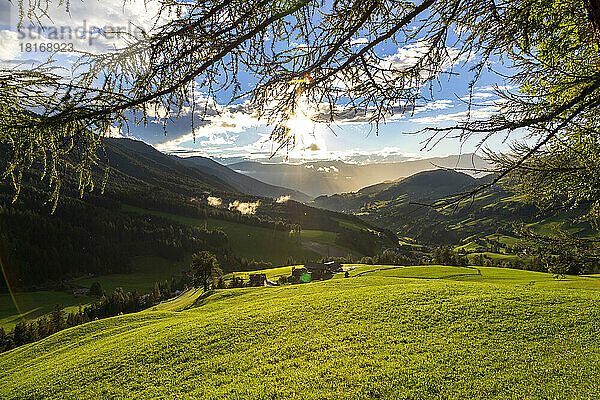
<point x="299" y="123"/>
<point x="307" y="134"/>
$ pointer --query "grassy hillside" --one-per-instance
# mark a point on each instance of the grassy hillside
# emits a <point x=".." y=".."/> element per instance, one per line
<point x="418" y="207"/>
<point x="35" y="304"/>
<point x="257" y="242"/>
<point x="145" y="272"/>
<point x="503" y="334"/>
<point x="248" y="241"/>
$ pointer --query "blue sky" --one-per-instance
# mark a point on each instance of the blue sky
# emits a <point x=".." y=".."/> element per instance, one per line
<point x="233" y="131"/>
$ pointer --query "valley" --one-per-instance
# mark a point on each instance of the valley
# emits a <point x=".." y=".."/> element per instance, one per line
<point x="420" y="287"/>
<point x="174" y="208"/>
<point x="330" y="177"/>
<point x="300" y="200"/>
<point x="144" y="228"/>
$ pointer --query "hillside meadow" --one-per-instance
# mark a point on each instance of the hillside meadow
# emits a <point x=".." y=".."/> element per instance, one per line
<point x="247" y="241"/>
<point x="254" y="242"/>
<point x="145" y="272"/>
<point x="33" y="305"/>
<point x="430" y="332"/>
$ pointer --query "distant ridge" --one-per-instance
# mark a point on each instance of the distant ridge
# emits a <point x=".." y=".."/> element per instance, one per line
<point x="330" y="177"/>
<point x="130" y="158"/>
<point x="240" y="182"/>
<point x="428" y="184"/>
<point x="422" y="186"/>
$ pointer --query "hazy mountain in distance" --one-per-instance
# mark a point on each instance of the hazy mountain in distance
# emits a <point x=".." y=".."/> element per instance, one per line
<point x="378" y="187"/>
<point x="243" y="183"/>
<point x="329" y="177"/>
<point x="412" y="207"/>
<point x="422" y="186"/>
<point x="427" y="185"/>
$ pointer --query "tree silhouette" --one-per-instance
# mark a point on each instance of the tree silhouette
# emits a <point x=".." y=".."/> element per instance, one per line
<point x="548" y="51"/>
<point x="205" y="269"/>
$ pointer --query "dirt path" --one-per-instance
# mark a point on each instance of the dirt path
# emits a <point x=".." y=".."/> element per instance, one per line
<point x="375" y="270"/>
<point x="415" y="277"/>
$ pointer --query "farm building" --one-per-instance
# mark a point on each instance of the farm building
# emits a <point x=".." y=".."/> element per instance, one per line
<point x="297" y="272"/>
<point x="323" y="270"/>
<point x="315" y="271"/>
<point x="257" y="280"/>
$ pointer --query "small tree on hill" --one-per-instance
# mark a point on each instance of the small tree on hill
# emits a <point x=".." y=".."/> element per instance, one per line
<point x="57" y="319"/>
<point x="560" y="266"/>
<point x="205" y="268"/>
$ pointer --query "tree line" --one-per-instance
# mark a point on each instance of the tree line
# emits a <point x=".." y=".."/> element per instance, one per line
<point x="117" y="303"/>
<point x="82" y="238"/>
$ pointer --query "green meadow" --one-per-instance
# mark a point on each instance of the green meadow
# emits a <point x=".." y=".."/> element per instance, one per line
<point x="254" y="242"/>
<point x="145" y="272"/>
<point x="247" y="241"/>
<point x="429" y="332"/>
<point x="33" y="305"/>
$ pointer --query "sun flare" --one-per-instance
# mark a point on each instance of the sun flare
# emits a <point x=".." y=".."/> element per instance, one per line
<point x="307" y="134"/>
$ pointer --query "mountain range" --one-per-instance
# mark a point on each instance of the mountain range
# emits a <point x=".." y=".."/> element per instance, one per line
<point x="155" y="205"/>
<point x="330" y="177"/>
<point x="240" y="182"/>
<point x="417" y="207"/>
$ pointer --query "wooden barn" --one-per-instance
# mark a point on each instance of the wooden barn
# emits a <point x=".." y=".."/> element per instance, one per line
<point x="323" y="270"/>
<point x="257" y="280"/>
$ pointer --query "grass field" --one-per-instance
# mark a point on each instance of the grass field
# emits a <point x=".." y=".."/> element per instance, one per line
<point x="35" y="304"/>
<point x="145" y="272"/>
<point x="501" y="334"/>
<point x="251" y="241"/>
<point x="248" y="241"/>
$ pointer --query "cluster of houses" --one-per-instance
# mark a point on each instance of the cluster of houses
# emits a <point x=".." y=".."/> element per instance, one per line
<point x="312" y="271"/>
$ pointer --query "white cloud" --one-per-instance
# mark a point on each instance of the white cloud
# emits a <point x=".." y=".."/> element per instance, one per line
<point x="462" y="116"/>
<point x="156" y="110"/>
<point x="492" y="88"/>
<point x="328" y="169"/>
<point x="114" y="132"/>
<point x="83" y="26"/>
<point x="352" y="115"/>
<point x="478" y="96"/>
<point x="405" y="57"/>
<point x="434" y="106"/>
<point x="217" y="124"/>
<point x="386" y="71"/>
<point x="9" y="45"/>
<point x="358" y="41"/>
<point x="214" y="201"/>
<point x="215" y="139"/>
<point x="244" y="208"/>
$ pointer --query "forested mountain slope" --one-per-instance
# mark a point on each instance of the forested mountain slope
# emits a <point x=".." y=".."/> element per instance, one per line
<point x="99" y="233"/>
<point x="414" y="207"/>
